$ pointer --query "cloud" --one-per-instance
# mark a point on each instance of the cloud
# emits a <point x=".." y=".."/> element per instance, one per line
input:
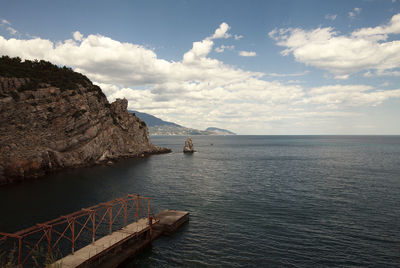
<point x="247" y="53"/>
<point x="7" y="25"/>
<point x="5" y="22"/>
<point x="331" y="17"/>
<point x="380" y="32"/>
<point x="77" y="36"/>
<point x="196" y="91"/>
<point x="286" y="75"/>
<point x="238" y="36"/>
<point x="356" y="11"/>
<point x="200" y="50"/>
<point x="221" y="32"/>
<point x="349" y="95"/>
<point x="196" y="85"/>
<point x="222" y="48"/>
<point x="342" y="77"/>
<point x="362" y="50"/>
<point x="12" y="31"/>
<point x="388" y="73"/>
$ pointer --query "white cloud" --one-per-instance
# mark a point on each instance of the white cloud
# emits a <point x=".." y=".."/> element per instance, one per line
<point x="342" y="77"/>
<point x="331" y="17"/>
<point x="286" y="75"/>
<point x="381" y="73"/>
<point x="197" y="91"/>
<point x="7" y="25"/>
<point x="247" y="53"/>
<point x="388" y="73"/>
<point x="367" y="74"/>
<point x="221" y="32"/>
<point x="356" y="11"/>
<point x="349" y="95"/>
<point x="380" y="32"/>
<point x="5" y="22"/>
<point x="222" y="48"/>
<point x="219" y="49"/>
<point x="12" y="31"/>
<point x="200" y="50"/>
<point x="295" y="81"/>
<point x="77" y="36"/>
<point x="342" y="55"/>
<point x="238" y="36"/>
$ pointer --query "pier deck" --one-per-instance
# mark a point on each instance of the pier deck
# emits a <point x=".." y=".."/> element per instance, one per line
<point x="80" y="238"/>
<point x="171" y="220"/>
<point x="113" y="249"/>
<point x="104" y="244"/>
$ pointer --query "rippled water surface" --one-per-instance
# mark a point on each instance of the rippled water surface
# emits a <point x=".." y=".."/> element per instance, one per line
<point x="254" y="201"/>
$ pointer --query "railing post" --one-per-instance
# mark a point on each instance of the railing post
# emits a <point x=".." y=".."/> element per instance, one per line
<point x="151" y="225"/>
<point x="148" y="208"/>
<point x="93" y="225"/>
<point x="47" y="227"/>
<point x="49" y="230"/>
<point x="137" y="207"/>
<point x="73" y="235"/>
<point x="110" y="213"/>
<point x="20" y="252"/>
<point x="125" y="211"/>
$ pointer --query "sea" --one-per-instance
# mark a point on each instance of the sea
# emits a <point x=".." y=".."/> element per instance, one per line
<point x="254" y="201"/>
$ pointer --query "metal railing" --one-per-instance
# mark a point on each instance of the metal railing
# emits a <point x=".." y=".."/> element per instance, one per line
<point x="76" y="229"/>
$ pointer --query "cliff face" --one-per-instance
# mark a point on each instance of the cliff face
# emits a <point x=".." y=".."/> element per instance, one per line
<point x="45" y="128"/>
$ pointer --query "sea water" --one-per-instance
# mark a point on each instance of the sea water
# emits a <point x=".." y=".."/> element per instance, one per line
<point x="254" y="201"/>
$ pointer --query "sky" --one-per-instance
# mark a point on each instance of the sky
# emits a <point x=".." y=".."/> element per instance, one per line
<point x="253" y="67"/>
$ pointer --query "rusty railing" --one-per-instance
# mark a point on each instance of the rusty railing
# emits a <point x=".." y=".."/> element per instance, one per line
<point x="76" y="229"/>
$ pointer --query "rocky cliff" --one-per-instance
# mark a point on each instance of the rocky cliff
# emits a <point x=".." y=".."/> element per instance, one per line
<point x="48" y="125"/>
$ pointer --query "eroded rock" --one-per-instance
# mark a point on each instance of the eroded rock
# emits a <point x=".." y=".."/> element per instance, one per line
<point x="189" y="147"/>
<point x="45" y="129"/>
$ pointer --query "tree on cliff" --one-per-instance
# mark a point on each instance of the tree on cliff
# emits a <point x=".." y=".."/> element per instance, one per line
<point x="41" y="71"/>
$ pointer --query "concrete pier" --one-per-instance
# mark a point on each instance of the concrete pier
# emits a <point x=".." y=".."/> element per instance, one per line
<point x="114" y="249"/>
<point x="171" y="220"/>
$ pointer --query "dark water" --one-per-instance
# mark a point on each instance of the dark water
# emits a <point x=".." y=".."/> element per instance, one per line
<point x="255" y="201"/>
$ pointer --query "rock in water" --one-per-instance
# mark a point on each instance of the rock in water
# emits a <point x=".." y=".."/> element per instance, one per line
<point x="188" y="148"/>
<point x="53" y="118"/>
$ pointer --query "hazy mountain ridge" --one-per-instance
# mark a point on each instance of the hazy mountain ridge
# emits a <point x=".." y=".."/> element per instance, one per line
<point x="159" y="127"/>
<point x="151" y="120"/>
<point x="220" y="131"/>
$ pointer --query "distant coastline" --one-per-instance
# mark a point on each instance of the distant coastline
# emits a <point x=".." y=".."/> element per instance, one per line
<point x="159" y="127"/>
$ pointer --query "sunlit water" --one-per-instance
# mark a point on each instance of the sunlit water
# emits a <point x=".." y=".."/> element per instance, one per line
<point x="254" y="201"/>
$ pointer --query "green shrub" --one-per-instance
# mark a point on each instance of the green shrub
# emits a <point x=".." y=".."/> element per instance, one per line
<point x="42" y="72"/>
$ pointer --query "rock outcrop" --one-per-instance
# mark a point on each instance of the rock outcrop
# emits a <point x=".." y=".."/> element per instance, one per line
<point x="44" y="128"/>
<point x="188" y="148"/>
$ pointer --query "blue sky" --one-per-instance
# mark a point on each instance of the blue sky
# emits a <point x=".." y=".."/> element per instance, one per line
<point x="254" y="67"/>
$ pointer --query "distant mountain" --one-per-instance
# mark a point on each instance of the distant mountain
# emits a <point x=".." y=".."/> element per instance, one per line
<point x="219" y="131"/>
<point x="167" y="130"/>
<point x="152" y="121"/>
<point x="159" y="127"/>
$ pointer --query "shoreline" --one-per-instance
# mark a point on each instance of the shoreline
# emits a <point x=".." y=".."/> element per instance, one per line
<point x="110" y="161"/>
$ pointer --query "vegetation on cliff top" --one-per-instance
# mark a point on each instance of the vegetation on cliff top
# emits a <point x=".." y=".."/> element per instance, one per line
<point x="43" y="72"/>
